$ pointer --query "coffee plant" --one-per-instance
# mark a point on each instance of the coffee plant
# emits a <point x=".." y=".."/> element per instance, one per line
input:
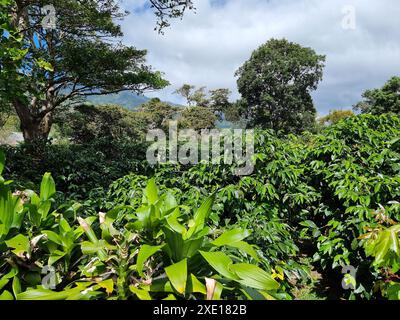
<point x="315" y="205"/>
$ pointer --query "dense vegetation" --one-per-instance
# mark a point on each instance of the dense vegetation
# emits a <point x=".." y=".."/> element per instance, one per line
<point x="314" y="203"/>
<point x="83" y="215"/>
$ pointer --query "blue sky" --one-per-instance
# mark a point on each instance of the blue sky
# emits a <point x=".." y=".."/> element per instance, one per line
<point x="207" y="47"/>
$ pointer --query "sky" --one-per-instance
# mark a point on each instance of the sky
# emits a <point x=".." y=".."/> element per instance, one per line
<point x="360" y="38"/>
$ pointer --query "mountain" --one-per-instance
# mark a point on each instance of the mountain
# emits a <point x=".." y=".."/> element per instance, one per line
<point x="125" y="99"/>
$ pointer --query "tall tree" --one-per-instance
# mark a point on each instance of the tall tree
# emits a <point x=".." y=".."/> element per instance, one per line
<point x="217" y="101"/>
<point x="275" y="84"/>
<point x="158" y="113"/>
<point x="197" y="118"/>
<point x="81" y="55"/>
<point x="383" y="100"/>
<point x="11" y="56"/>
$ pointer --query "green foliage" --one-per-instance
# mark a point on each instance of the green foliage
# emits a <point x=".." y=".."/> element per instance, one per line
<point x="355" y="167"/>
<point x="383" y="100"/>
<point x="77" y="58"/>
<point x="197" y="118"/>
<point x="335" y="116"/>
<point x="204" y="104"/>
<point x="275" y="84"/>
<point x="332" y="197"/>
<point x="162" y="250"/>
<point x="77" y="169"/>
<point x="157" y="113"/>
<point x="12" y="54"/>
<point x="382" y="242"/>
<point x="86" y="123"/>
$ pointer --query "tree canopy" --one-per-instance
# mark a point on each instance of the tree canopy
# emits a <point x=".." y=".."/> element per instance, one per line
<point x="216" y="101"/>
<point x="80" y="55"/>
<point x="275" y="84"/>
<point x="335" y="116"/>
<point x="383" y="100"/>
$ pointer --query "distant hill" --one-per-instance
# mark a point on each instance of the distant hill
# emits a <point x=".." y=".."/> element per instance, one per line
<point x="125" y="99"/>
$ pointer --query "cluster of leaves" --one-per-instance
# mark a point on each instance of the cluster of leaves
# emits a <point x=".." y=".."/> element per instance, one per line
<point x="382" y="242"/>
<point x="161" y="250"/>
<point x="335" y="116"/>
<point x="266" y="202"/>
<point x="77" y="168"/>
<point x="355" y="167"/>
<point x="309" y="194"/>
<point x="12" y="54"/>
<point x="85" y="123"/>
<point x="382" y="100"/>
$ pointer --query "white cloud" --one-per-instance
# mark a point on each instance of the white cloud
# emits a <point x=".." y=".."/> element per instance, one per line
<point x="208" y="46"/>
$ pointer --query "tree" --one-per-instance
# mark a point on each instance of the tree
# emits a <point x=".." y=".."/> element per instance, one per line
<point x="11" y="55"/>
<point x="197" y="118"/>
<point x="79" y="57"/>
<point x="169" y="9"/>
<point x="384" y="100"/>
<point x="86" y="123"/>
<point x="216" y="101"/>
<point x="335" y="116"/>
<point x="275" y="85"/>
<point x="157" y="113"/>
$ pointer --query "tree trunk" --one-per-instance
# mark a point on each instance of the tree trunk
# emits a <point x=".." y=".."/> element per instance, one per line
<point x="34" y="127"/>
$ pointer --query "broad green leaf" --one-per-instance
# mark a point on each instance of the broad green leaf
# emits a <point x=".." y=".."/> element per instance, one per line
<point x="141" y="294"/>
<point x="177" y="274"/>
<point x="177" y="248"/>
<point x="161" y="285"/>
<point x="18" y="213"/>
<point x="45" y="294"/>
<point x="393" y="291"/>
<point x="255" y="277"/>
<point x="55" y="256"/>
<point x="88" y="247"/>
<point x="230" y="237"/>
<point x="52" y="236"/>
<point x="220" y="262"/>
<point x="108" y="285"/>
<point x="6" y="295"/>
<point x="44" y="209"/>
<point x="16" y="286"/>
<point x="152" y="191"/>
<point x="170" y="202"/>
<point x="2" y="161"/>
<point x="245" y="247"/>
<point x="47" y="187"/>
<point x="201" y="215"/>
<point x="44" y="65"/>
<point x="20" y="245"/>
<point x="64" y="225"/>
<point x="145" y="253"/>
<point x="195" y="286"/>
<point x="7" y="210"/>
<point x="174" y="224"/>
<point x="387" y="241"/>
